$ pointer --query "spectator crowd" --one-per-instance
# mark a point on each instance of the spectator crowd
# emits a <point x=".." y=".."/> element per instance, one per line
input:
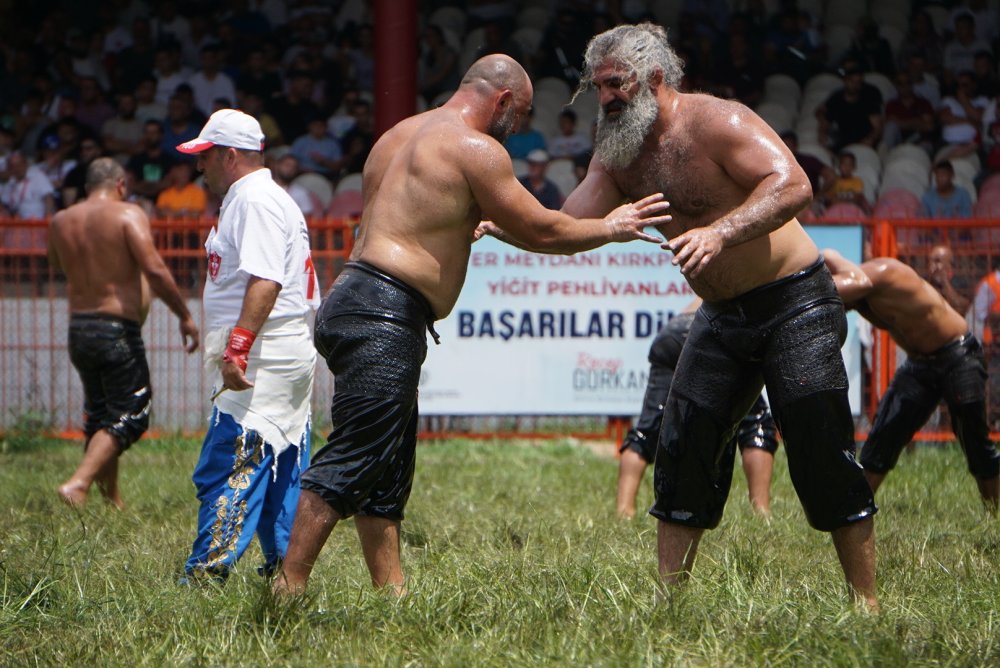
<point x="848" y="82"/>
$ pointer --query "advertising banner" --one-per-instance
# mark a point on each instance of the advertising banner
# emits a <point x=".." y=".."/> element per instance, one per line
<point x="536" y="334"/>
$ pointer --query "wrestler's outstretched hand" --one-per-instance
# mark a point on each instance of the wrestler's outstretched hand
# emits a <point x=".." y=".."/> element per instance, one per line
<point x="189" y="334"/>
<point x="694" y="249"/>
<point x="629" y="221"/>
<point x="485" y="228"/>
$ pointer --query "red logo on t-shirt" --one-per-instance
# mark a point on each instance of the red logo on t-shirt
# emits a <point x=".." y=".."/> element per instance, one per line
<point x="214" y="260"/>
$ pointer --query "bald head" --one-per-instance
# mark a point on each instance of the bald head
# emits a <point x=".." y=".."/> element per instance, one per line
<point x="104" y="173"/>
<point x="496" y="72"/>
<point x="941" y="254"/>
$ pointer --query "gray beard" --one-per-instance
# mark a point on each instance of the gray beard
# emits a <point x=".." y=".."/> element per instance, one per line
<point x="503" y="127"/>
<point x="619" y="140"/>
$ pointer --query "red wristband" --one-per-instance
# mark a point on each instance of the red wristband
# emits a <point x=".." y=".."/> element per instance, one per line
<point x="238" y="348"/>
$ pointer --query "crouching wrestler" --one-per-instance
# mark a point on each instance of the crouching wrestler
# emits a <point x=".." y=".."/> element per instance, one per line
<point x="944" y="360"/>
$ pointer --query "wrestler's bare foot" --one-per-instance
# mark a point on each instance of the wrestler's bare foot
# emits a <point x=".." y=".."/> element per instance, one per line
<point x="73" y="493"/>
<point x="283" y="588"/>
<point x="114" y="500"/>
<point x="855" y="545"/>
<point x="626" y="513"/>
<point x="395" y="590"/>
<point x="864" y="603"/>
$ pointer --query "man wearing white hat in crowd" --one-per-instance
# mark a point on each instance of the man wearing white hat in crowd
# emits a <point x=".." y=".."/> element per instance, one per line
<point x="260" y="287"/>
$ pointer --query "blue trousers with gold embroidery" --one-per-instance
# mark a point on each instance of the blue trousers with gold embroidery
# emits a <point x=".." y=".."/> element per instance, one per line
<point x="240" y="495"/>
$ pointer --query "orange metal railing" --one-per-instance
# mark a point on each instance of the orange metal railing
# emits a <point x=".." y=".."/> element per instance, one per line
<point x="38" y="381"/>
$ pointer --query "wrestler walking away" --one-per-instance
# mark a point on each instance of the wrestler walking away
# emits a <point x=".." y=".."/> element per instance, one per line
<point x="943" y="360"/>
<point x="260" y="287"/>
<point x="756" y="437"/>
<point x="771" y="315"/>
<point x="104" y="246"/>
<point x="428" y="183"/>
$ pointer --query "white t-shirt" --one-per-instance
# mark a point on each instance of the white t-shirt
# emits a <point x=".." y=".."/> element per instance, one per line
<point x="261" y="232"/>
<point x="26" y="198"/>
<point x="206" y="90"/>
<point x="961" y="133"/>
<point x="563" y="146"/>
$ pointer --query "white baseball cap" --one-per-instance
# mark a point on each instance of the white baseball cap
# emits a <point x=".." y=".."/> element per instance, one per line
<point x="227" y="127"/>
<point x="538" y="155"/>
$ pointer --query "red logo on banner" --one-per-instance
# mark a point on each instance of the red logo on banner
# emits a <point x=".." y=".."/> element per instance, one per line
<point x="214" y="260"/>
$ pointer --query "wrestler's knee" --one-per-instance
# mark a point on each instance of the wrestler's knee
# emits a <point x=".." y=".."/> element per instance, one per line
<point x="819" y="442"/>
<point x="758" y="430"/>
<point x="693" y="466"/>
<point x="129" y="429"/>
<point x="641" y="442"/>
<point x="984" y="462"/>
<point x="340" y="503"/>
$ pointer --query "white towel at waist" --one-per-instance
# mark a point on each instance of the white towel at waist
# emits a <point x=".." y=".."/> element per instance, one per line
<point x="281" y="366"/>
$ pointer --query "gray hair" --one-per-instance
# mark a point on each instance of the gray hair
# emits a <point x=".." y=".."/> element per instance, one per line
<point x="643" y="49"/>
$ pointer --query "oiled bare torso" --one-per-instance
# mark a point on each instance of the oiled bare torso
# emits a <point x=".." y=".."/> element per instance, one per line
<point x="700" y="191"/>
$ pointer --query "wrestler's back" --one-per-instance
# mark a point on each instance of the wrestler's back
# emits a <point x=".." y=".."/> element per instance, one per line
<point x="419" y="213"/>
<point x="103" y="276"/>
<point x="700" y="192"/>
<point x="915" y="314"/>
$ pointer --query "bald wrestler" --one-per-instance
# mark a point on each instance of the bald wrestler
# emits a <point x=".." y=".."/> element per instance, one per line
<point x="771" y="315"/>
<point x="105" y="248"/>
<point x="943" y="360"/>
<point x="941" y="274"/>
<point x="427" y="183"/>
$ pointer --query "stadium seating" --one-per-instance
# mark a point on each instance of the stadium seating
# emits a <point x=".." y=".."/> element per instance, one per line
<point x="317" y="185"/>
<point x="908" y="153"/>
<point x="528" y="38"/>
<point x="553" y="85"/>
<point x="779" y="116"/>
<point x="869" y="167"/>
<point x="561" y="173"/>
<point x="449" y="18"/>
<point x="988" y="206"/>
<point x="845" y="12"/>
<point x="883" y="83"/>
<point x="845" y="211"/>
<point x="897" y="203"/>
<point x="533" y="16"/>
<point x="345" y="204"/>
<point x="816" y="151"/>
<point x="782" y="89"/>
<point x="349" y="182"/>
<point x="990" y="185"/>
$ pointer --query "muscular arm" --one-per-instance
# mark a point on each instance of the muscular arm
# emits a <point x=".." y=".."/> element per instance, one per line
<point x="756" y="159"/>
<point x="522" y="218"/>
<point x="853" y="284"/>
<point x="140" y="243"/>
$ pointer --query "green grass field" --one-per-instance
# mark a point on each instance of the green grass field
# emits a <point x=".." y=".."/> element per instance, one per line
<point x="514" y="558"/>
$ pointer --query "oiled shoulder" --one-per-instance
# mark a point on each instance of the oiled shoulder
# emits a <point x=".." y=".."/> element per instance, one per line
<point x="707" y="112"/>
<point x="890" y="272"/>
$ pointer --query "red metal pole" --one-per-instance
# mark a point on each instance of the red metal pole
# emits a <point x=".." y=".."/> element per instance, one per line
<point x="395" y="62"/>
